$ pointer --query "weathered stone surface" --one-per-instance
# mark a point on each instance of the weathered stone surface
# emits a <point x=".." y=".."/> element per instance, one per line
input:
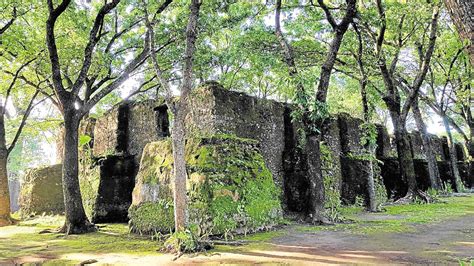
<point x="41" y="191"/>
<point x="106" y="188"/>
<point x="390" y="172"/>
<point x="332" y="140"/>
<point x="229" y="187"/>
<point x="396" y="187"/>
<point x="115" y="189"/>
<point x="110" y="132"/>
<point x="460" y="152"/>
<point x="295" y="180"/>
<point x="384" y="146"/>
<point x="128" y="127"/>
<point x="445" y="147"/>
<point x="142" y="127"/>
<point x="350" y="134"/>
<point x="14" y="189"/>
<point x="354" y="179"/>
<point x="214" y="110"/>
<point x="437" y="145"/>
<point x="422" y="175"/>
<point x="445" y="173"/>
<point x="466" y="177"/>
<point x="416" y="144"/>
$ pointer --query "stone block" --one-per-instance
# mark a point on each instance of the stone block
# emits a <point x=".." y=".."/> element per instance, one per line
<point x="215" y="110"/>
<point x="350" y="134"/>
<point x="229" y="187"/>
<point x="42" y="192"/>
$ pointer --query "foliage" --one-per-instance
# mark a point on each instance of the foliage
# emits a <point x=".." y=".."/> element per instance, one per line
<point x="184" y="242"/>
<point x="332" y="202"/>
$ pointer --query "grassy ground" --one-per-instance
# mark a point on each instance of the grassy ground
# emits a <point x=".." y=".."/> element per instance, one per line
<point x="399" y="218"/>
<point x="24" y="240"/>
<point x="24" y="243"/>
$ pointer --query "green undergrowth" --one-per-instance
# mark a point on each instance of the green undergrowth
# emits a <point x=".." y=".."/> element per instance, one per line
<point x="230" y="190"/>
<point x="398" y="218"/>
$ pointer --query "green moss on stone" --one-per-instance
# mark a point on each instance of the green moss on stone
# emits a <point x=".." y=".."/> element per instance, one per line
<point x="152" y="217"/>
<point x="229" y="187"/>
<point x="89" y="180"/>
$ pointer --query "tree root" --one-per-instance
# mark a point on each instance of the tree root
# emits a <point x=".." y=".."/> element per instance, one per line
<point x="5" y="221"/>
<point x="412" y="196"/>
<point x="228" y="243"/>
<point x="77" y="229"/>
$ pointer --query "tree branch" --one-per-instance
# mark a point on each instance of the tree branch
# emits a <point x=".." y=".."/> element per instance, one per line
<point x="23" y="121"/>
<point x="10" y="22"/>
<point x="94" y="37"/>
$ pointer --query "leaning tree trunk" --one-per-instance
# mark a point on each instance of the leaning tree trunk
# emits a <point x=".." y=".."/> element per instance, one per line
<point x="4" y="191"/>
<point x="76" y="219"/>
<point x="433" y="170"/>
<point x="180" y="175"/>
<point x="405" y="156"/>
<point x="452" y="156"/>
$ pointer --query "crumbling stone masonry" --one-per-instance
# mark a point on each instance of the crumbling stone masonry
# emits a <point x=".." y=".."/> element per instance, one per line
<point x="109" y="169"/>
<point x="230" y="189"/>
<point x="121" y="135"/>
<point x="41" y="191"/>
<point x="14" y="189"/>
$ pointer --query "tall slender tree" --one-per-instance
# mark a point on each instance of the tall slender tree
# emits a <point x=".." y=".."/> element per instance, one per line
<point x="12" y="88"/>
<point x="179" y="108"/>
<point x="392" y="95"/>
<point x="313" y="136"/>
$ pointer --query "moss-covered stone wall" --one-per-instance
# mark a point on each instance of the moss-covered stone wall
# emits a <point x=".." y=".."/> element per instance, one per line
<point x="42" y="192"/>
<point x="215" y="110"/>
<point x="230" y="189"/>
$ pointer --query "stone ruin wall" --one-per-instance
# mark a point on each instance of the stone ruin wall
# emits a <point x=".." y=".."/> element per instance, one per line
<point x="121" y="135"/>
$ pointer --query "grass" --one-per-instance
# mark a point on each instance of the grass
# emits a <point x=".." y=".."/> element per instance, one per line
<point x="398" y="218"/>
<point x="23" y="240"/>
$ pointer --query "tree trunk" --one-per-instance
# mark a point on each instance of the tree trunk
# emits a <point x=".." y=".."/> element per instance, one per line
<point x="452" y="157"/>
<point x="372" y="206"/>
<point x="76" y="219"/>
<point x="405" y="157"/>
<point x="470" y="143"/>
<point x="5" y="218"/>
<point x="462" y="14"/>
<point x="316" y="179"/>
<point x="180" y="175"/>
<point x="433" y="170"/>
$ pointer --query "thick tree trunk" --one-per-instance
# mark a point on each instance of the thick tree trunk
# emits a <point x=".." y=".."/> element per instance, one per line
<point x="180" y="175"/>
<point x="433" y="170"/>
<point x="452" y="157"/>
<point x="4" y="191"/>
<point x="316" y="179"/>
<point x="76" y="219"/>
<point x="462" y="14"/>
<point x="405" y="157"/>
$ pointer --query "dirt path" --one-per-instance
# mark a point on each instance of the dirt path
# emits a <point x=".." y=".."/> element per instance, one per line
<point x="445" y="242"/>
